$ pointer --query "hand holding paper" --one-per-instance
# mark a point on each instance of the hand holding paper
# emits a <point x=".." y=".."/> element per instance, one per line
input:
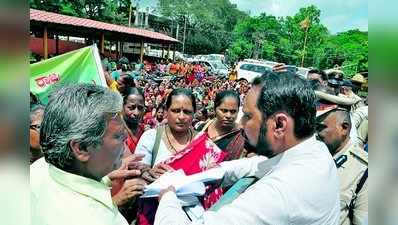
<point x="183" y="184"/>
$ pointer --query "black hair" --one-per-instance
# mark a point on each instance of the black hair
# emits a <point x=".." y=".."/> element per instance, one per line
<point x="133" y="91"/>
<point x="160" y="106"/>
<point x="336" y="75"/>
<point x="324" y="76"/>
<point x="184" y="92"/>
<point x="342" y="114"/>
<point x="129" y="80"/>
<point x="344" y="117"/>
<point x="221" y="96"/>
<point x="291" y="94"/>
<point x="34" y="100"/>
<point x="205" y="113"/>
<point x="260" y="80"/>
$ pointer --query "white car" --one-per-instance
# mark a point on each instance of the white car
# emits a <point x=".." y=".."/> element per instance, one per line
<point x="215" y="67"/>
<point x="248" y="70"/>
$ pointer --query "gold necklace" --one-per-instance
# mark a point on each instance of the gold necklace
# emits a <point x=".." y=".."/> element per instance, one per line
<point x="168" y="139"/>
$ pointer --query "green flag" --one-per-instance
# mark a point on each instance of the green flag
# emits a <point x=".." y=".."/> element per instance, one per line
<point x="79" y="66"/>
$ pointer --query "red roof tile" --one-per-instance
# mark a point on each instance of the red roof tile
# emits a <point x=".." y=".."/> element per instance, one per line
<point x="49" y="17"/>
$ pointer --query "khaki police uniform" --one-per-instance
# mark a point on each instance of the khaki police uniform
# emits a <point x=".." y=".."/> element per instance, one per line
<point x="350" y="174"/>
<point x="363" y="132"/>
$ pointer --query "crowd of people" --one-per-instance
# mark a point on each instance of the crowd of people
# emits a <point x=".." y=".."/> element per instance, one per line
<point x="304" y="142"/>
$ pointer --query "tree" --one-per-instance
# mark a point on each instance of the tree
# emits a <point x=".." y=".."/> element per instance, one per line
<point x="347" y="49"/>
<point x="112" y="11"/>
<point x="256" y="37"/>
<point x="282" y="40"/>
<point x="209" y="23"/>
<point x="316" y="34"/>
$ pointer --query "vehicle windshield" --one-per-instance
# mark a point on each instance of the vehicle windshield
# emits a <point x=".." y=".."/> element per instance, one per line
<point x="219" y="65"/>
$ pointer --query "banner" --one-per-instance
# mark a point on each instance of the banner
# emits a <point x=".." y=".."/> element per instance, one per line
<point x="79" y="66"/>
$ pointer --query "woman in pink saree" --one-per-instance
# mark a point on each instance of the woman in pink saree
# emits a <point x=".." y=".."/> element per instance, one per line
<point x="177" y="146"/>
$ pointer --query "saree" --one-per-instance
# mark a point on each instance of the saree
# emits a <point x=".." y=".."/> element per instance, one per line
<point x="232" y="142"/>
<point x="200" y="155"/>
<point x="132" y="140"/>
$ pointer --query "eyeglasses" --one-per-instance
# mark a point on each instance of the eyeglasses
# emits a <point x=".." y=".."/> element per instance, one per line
<point x="35" y="127"/>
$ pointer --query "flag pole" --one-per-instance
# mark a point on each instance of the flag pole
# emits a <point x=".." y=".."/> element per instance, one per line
<point x="305" y="43"/>
<point x="305" y="24"/>
<point x="130" y="14"/>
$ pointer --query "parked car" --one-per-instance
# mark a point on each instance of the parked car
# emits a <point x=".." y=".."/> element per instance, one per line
<point x="250" y="69"/>
<point x="215" y="57"/>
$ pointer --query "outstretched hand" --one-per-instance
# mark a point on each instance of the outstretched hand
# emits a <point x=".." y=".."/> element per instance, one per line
<point x="133" y="162"/>
<point x="157" y="171"/>
<point x="131" y="167"/>
<point x="123" y="173"/>
<point x="131" y="188"/>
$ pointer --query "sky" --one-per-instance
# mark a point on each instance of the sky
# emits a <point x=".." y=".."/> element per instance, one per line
<point x="336" y="15"/>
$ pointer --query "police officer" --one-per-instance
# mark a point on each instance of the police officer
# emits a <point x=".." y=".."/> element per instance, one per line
<point x="333" y="128"/>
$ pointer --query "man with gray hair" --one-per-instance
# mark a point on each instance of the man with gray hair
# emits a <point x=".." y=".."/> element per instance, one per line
<point x="82" y="138"/>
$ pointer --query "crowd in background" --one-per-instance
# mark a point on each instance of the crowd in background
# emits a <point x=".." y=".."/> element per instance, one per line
<point x="158" y="79"/>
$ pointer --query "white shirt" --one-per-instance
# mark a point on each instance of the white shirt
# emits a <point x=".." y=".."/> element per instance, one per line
<point x="298" y="186"/>
<point x="145" y="146"/>
<point x="62" y="198"/>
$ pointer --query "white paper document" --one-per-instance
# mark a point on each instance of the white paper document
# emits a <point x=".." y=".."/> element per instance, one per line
<point x="184" y="185"/>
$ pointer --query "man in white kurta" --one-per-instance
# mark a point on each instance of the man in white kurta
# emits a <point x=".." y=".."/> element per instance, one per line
<point x="82" y="137"/>
<point x="298" y="184"/>
<point x="59" y="197"/>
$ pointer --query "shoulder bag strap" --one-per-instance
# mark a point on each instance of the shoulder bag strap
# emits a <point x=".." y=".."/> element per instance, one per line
<point x="159" y="133"/>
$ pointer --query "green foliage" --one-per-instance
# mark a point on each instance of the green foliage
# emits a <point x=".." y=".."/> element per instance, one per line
<point x="282" y="40"/>
<point x="112" y="11"/>
<point x="350" y="50"/>
<point x="209" y="23"/>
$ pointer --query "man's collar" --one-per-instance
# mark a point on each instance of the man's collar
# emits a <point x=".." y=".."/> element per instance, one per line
<point x="100" y="191"/>
<point x="269" y="165"/>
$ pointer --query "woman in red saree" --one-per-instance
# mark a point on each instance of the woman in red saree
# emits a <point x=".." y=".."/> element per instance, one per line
<point x="133" y="112"/>
<point x="178" y="147"/>
<point x="223" y="129"/>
